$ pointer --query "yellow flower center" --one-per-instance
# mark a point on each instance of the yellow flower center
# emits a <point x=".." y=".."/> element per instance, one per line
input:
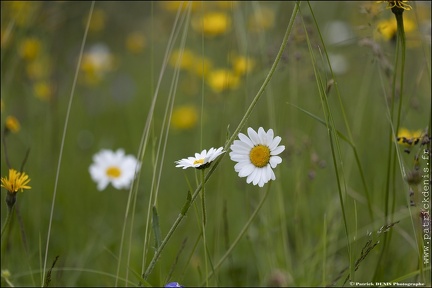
<point x="113" y="172"/>
<point x="260" y="155"/>
<point x="198" y="161"/>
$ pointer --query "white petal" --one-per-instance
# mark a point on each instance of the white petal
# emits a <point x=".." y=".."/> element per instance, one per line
<point x="245" y="139"/>
<point x="274" y="161"/>
<point x="274" y="142"/>
<point x="252" y="176"/>
<point x="270" y="135"/>
<point x="253" y="136"/>
<point x="278" y="150"/>
<point x="262" y="136"/>
<point x="246" y="170"/>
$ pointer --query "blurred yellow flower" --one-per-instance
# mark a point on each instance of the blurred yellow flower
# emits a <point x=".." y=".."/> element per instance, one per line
<point x="12" y="124"/>
<point x="261" y="19"/>
<point x="43" y="90"/>
<point x="184" y="117"/>
<point x="222" y="79"/>
<point x="135" y="42"/>
<point x="16" y="181"/>
<point x="22" y="11"/>
<point x="96" y="63"/>
<point x="399" y="4"/>
<point x="30" y="48"/>
<point x="97" y="22"/>
<point x="185" y="62"/>
<point x="407" y="137"/>
<point x="242" y="65"/>
<point x="39" y="68"/>
<point x="387" y="29"/>
<point x="212" y="23"/>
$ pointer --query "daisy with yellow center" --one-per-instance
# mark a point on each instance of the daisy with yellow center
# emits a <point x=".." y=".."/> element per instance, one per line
<point x="16" y="181"/>
<point x="257" y="155"/>
<point x="113" y="167"/>
<point x="201" y="160"/>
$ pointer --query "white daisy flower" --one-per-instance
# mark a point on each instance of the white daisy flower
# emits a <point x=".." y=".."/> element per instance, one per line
<point x="201" y="160"/>
<point x="113" y="167"/>
<point x="256" y="155"/>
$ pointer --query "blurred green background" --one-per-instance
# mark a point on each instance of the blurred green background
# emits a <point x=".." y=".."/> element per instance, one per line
<point x="298" y="237"/>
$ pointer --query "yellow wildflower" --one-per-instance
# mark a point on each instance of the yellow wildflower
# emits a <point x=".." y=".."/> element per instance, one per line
<point x="96" y="63"/>
<point x="16" y="181"/>
<point x="185" y="62"/>
<point x="184" y="117"/>
<point x="222" y="79"/>
<point x="212" y="23"/>
<point x="135" y="42"/>
<point x="407" y="137"/>
<point x="12" y="124"/>
<point x="43" y="90"/>
<point x="30" y="48"/>
<point x="97" y="22"/>
<point x="242" y="65"/>
<point x="398" y="4"/>
<point x="387" y="29"/>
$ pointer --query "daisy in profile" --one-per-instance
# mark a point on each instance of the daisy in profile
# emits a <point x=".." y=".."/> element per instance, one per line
<point x="113" y="167"/>
<point x="257" y="155"/>
<point x="201" y="160"/>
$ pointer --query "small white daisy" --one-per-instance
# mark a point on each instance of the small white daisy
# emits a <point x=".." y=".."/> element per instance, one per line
<point x="256" y="155"/>
<point x="201" y="160"/>
<point x="113" y="167"/>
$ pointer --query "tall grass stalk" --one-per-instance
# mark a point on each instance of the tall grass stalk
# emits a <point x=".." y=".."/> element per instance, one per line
<point x="227" y="144"/>
<point x="334" y="143"/>
<point x="393" y="130"/>
<point x="65" y="128"/>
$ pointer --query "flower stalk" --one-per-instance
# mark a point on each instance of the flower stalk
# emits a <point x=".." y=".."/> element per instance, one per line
<point x="260" y="92"/>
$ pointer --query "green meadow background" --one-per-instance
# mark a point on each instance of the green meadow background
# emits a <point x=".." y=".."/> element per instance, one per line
<point x="320" y="222"/>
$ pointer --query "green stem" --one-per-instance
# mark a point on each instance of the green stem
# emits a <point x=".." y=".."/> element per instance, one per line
<point x="227" y="144"/>
<point x="204" y="221"/>
<point x="245" y="228"/>
<point x="8" y="218"/>
<point x="393" y="130"/>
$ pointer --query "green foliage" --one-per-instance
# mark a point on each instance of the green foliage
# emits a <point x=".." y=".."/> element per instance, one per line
<point x="346" y="205"/>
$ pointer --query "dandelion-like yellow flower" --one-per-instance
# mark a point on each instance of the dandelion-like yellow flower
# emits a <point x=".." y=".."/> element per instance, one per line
<point x="184" y="58"/>
<point x="12" y="124"/>
<point x="43" y="90"/>
<point x="97" y="22"/>
<point x="212" y="23"/>
<point x="222" y="79"/>
<point x="184" y="117"/>
<point x="16" y="181"/>
<point x="135" y="42"/>
<point x="398" y="4"/>
<point x="242" y="65"/>
<point x="407" y="137"/>
<point x="30" y="48"/>
<point x="387" y="29"/>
